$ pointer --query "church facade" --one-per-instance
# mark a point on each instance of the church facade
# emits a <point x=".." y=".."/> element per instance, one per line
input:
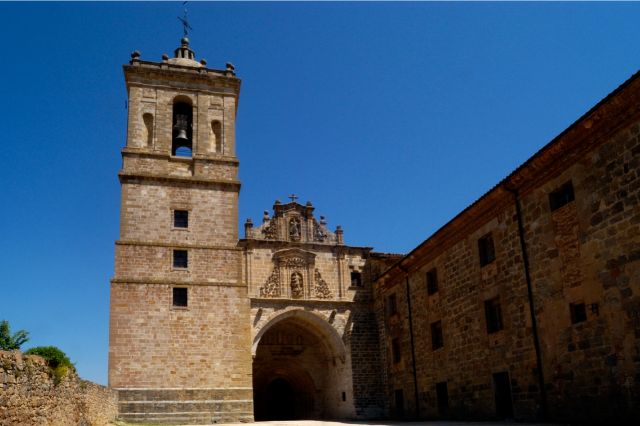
<point x="524" y="306"/>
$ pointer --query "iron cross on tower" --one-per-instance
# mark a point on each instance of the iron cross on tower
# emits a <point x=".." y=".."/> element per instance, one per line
<point x="185" y="21"/>
<point x="293" y="197"/>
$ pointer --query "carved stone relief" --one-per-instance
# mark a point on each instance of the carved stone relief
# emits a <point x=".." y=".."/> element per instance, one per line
<point x="271" y="287"/>
<point x="321" y="289"/>
<point x="270" y="232"/>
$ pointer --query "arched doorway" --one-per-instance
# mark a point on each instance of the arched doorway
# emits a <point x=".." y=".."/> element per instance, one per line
<point x="297" y="372"/>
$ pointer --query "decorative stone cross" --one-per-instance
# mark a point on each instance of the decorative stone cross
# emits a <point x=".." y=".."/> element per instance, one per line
<point x="293" y="197"/>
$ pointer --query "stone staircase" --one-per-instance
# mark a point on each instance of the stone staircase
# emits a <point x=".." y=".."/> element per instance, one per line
<point x="184" y="406"/>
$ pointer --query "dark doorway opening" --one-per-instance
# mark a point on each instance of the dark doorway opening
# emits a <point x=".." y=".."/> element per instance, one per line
<point x="442" y="393"/>
<point x="399" y="397"/>
<point x="280" y="401"/>
<point x="504" y="403"/>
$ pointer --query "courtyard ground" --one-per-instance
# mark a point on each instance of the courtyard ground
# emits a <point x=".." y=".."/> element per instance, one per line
<point x="380" y="423"/>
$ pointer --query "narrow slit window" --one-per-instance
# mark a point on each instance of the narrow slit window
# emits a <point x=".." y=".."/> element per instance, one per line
<point x="432" y="281"/>
<point x="392" y="305"/>
<point x="395" y="350"/>
<point x="437" y="340"/>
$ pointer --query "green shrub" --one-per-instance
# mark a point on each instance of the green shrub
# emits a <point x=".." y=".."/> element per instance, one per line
<point x="54" y="356"/>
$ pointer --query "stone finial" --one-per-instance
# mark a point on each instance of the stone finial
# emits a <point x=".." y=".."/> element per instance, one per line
<point x="339" y="235"/>
<point x="230" y="67"/>
<point x="309" y="204"/>
<point x="265" y="216"/>
<point x="248" y="226"/>
<point x="203" y="62"/>
<point x="135" y="56"/>
<point x="323" y="221"/>
<point x="165" y="57"/>
<point x="277" y="202"/>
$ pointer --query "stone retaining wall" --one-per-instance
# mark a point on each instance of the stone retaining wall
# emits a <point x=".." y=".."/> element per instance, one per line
<point x="30" y="396"/>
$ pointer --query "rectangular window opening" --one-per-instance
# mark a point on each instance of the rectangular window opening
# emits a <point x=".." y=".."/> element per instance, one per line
<point x="180" y="259"/>
<point x="432" y="281"/>
<point x="181" y="218"/>
<point x="395" y="350"/>
<point x="493" y="315"/>
<point x="392" y="305"/>
<point x="578" y="313"/>
<point x="486" y="249"/>
<point x="180" y="296"/>
<point x="561" y="196"/>
<point x="356" y="279"/>
<point x="437" y="340"/>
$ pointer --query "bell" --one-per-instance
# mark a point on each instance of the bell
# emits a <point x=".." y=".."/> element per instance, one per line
<point x="182" y="135"/>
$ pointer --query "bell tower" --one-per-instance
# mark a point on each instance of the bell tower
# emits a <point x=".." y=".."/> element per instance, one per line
<point x="179" y="341"/>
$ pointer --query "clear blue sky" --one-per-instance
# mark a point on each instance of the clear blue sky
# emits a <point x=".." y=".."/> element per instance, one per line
<point x="390" y="118"/>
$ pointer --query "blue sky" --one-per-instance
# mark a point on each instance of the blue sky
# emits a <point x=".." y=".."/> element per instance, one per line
<point x="390" y="117"/>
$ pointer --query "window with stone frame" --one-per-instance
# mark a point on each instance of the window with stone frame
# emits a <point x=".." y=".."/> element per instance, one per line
<point x="180" y="297"/>
<point x="486" y="249"/>
<point x="181" y="219"/>
<point x="356" y="279"/>
<point x="180" y="259"/>
<point x="432" y="281"/>
<point x="437" y="340"/>
<point x="396" y="354"/>
<point x="493" y="315"/>
<point x="561" y="196"/>
<point x="578" y="312"/>
<point x="392" y="305"/>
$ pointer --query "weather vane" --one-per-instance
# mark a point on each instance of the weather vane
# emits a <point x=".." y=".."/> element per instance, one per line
<point x="185" y="21"/>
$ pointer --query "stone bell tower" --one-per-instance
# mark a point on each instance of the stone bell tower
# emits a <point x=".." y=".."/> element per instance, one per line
<point x="179" y="342"/>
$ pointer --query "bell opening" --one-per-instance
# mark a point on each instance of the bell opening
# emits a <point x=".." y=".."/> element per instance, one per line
<point x="182" y="129"/>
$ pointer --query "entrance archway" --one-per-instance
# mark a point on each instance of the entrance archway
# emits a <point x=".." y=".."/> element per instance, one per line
<point x="297" y="373"/>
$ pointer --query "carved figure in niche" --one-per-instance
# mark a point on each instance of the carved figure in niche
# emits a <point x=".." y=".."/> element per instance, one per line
<point x="294" y="229"/>
<point x="318" y="232"/>
<point x="297" y="290"/>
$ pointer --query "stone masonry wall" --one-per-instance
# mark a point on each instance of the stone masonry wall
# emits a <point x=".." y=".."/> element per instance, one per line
<point x="30" y="395"/>
<point x="588" y="252"/>
<point x="584" y="254"/>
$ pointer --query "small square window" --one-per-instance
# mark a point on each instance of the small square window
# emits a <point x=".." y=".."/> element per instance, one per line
<point x="180" y="218"/>
<point x="486" y="250"/>
<point x="356" y="279"/>
<point x="493" y="315"/>
<point x="561" y="196"/>
<point x="437" y="340"/>
<point x="432" y="281"/>
<point x="392" y="305"/>
<point x="180" y="259"/>
<point x="395" y="350"/>
<point x="578" y="312"/>
<point x="180" y="296"/>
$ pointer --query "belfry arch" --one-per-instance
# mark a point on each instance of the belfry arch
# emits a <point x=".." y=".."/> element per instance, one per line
<point x="300" y="370"/>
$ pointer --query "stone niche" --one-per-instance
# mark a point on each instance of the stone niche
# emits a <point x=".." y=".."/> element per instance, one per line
<point x="295" y="276"/>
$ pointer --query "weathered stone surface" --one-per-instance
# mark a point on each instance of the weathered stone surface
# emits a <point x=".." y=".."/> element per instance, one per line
<point x="29" y="395"/>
